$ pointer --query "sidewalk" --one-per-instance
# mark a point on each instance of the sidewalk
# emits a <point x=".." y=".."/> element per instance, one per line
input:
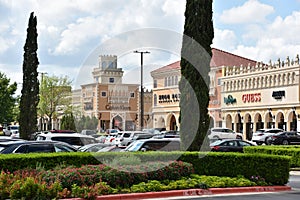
<point x="191" y="192"/>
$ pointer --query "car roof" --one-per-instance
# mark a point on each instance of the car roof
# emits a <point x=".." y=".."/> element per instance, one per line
<point x="160" y="139"/>
<point x="8" y="143"/>
<point x="65" y="135"/>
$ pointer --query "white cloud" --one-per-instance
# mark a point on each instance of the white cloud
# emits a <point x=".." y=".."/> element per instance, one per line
<point x="173" y="8"/>
<point x="251" y="11"/>
<point x="269" y="41"/>
<point x="224" y="39"/>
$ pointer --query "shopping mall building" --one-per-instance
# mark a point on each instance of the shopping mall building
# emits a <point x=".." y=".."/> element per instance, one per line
<point x="114" y="103"/>
<point x="261" y="96"/>
<point x="245" y="95"/>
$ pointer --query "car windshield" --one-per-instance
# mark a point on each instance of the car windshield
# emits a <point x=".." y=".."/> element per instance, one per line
<point x="134" y="146"/>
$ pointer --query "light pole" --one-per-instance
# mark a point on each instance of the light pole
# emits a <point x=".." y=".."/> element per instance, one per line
<point x="41" y="87"/>
<point x="142" y="90"/>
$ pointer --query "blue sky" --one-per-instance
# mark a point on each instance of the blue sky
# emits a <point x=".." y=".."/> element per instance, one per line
<point x="71" y="32"/>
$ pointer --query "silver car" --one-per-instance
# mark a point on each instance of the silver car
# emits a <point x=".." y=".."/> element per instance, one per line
<point x="223" y="133"/>
<point x="261" y="136"/>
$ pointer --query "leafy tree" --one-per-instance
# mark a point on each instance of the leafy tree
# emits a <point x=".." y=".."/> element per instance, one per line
<point x="55" y="97"/>
<point x="7" y="100"/>
<point x="68" y="122"/>
<point x="30" y="90"/>
<point x="195" y="65"/>
<point x="86" y="122"/>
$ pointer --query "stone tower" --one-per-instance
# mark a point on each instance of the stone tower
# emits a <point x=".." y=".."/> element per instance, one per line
<point x="107" y="72"/>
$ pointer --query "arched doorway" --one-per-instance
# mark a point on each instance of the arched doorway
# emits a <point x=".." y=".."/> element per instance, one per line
<point x="173" y="125"/>
<point x="229" y="123"/>
<point x="117" y="123"/>
<point x="280" y="120"/>
<point x="258" y="122"/>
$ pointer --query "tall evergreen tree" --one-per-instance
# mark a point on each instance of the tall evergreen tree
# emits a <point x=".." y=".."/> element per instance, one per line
<point x="30" y="89"/>
<point x="195" y="65"/>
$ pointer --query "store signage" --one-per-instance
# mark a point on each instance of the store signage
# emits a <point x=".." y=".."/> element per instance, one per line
<point x="229" y="100"/>
<point x="278" y="94"/>
<point x="255" y="97"/>
<point x="117" y="107"/>
<point x="168" y="98"/>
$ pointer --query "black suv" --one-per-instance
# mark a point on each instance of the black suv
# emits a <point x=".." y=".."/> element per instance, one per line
<point x="35" y="147"/>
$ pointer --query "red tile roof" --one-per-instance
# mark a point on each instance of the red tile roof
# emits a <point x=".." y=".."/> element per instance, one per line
<point x="219" y="58"/>
<point x="223" y="58"/>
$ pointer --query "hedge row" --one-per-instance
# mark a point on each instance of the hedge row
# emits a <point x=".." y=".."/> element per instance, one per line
<point x="275" y="169"/>
<point x="287" y="150"/>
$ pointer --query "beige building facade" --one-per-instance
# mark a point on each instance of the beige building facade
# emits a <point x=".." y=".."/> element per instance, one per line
<point x="114" y="103"/>
<point x="166" y="97"/>
<point x="261" y="96"/>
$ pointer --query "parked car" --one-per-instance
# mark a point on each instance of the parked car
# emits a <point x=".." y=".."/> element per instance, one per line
<point x="92" y="133"/>
<point x="127" y="137"/>
<point x="35" y="147"/>
<point x="285" y="138"/>
<point x="95" y="147"/>
<point x="141" y="137"/>
<point x="8" y="138"/>
<point x="11" y="129"/>
<point x="111" y="148"/>
<point x="61" y="131"/>
<point x="223" y="133"/>
<point x="74" y="139"/>
<point x="152" y="144"/>
<point x="110" y="131"/>
<point x="262" y="135"/>
<point x="230" y="145"/>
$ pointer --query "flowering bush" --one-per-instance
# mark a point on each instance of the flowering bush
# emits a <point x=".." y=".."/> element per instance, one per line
<point x="117" y="177"/>
<point x="258" y="180"/>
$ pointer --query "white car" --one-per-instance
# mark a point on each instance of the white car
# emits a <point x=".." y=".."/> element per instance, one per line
<point x="75" y="139"/>
<point x="262" y="135"/>
<point x="11" y="129"/>
<point x="127" y="136"/>
<point x="223" y="133"/>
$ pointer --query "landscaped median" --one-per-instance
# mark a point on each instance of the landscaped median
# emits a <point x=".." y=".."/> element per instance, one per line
<point x="90" y="176"/>
<point x="284" y="150"/>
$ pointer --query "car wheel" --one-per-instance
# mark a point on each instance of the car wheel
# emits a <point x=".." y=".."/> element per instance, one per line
<point x="268" y="141"/>
<point x="285" y="142"/>
<point x="216" y="137"/>
<point x="259" y="143"/>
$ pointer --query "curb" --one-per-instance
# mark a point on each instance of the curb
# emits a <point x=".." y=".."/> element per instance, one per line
<point x="191" y="192"/>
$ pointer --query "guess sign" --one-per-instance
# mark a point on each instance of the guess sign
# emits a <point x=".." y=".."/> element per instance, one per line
<point x="256" y="97"/>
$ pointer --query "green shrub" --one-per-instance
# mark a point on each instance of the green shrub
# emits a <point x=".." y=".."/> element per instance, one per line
<point x="92" y="174"/>
<point x="274" y="169"/>
<point x="284" y="150"/>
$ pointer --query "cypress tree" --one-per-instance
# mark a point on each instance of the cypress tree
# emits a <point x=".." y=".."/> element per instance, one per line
<point x="195" y="65"/>
<point x="30" y="89"/>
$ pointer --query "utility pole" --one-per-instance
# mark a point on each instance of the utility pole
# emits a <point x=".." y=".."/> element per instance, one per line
<point x="142" y="91"/>
<point x="42" y="117"/>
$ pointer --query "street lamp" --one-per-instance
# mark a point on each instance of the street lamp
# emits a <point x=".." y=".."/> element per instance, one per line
<point x="142" y="89"/>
